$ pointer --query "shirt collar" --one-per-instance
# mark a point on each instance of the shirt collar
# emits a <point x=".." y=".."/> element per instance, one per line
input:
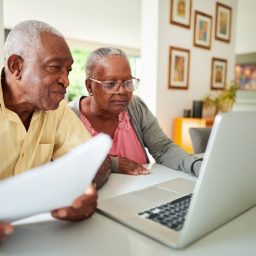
<point x="1" y="89"/>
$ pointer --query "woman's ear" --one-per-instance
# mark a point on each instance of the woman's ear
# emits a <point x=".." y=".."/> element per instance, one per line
<point x="88" y="85"/>
<point x="15" y="66"/>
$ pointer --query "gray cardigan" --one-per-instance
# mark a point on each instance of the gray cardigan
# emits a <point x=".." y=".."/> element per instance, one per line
<point x="151" y="136"/>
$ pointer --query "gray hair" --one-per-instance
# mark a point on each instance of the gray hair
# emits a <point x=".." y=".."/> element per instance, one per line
<point x="26" y="36"/>
<point x="99" y="54"/>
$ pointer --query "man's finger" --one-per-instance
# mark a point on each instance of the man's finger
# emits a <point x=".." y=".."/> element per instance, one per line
<point x="85" y="199"/>
<point x="5" y="230"/>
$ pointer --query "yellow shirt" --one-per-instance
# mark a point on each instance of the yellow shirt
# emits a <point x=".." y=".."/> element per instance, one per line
<point x="50" y="135"/>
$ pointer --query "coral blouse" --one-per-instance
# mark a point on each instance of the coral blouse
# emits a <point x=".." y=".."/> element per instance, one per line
<point x="125" y="141"/>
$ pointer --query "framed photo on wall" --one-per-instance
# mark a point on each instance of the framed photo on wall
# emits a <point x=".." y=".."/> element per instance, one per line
<point x="181" y="12"/>
<point x="218" y="74"/>
<point x="245" y="76"/>
<point x="178" y="72"/>
<point x="223" y="22"/>
<point x="202" y="30"/>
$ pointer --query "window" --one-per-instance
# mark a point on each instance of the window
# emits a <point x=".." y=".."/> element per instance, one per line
<point x="77" y="75"/>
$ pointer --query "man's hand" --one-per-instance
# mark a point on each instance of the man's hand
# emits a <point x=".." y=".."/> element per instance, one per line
<point x="127" y="166"/>
<point x="103" y="173"/>
<point x="5" y="229"/>
<point x="82" y="208"/>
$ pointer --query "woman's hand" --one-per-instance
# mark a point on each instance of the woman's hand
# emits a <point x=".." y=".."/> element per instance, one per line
<point x="82" y="208"/>
<point x="127" y="166"/>
<point x="5" y="230"/>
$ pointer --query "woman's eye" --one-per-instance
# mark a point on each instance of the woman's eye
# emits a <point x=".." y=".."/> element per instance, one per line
<point x="110" y="85"/>
<point x="128" y="83"/>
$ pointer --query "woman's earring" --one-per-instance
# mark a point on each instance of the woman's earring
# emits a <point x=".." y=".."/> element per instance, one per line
<point x="90" y="93"/>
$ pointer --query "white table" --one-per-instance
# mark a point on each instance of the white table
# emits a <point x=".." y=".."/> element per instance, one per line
<point x="41" y="235"/>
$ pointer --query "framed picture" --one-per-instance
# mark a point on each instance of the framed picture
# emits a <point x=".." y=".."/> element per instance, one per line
<point x="178" y="77"/>
<point x="202" y="30"/>
<point x="181" y="12"/>
<point x="219" y="73"/>
<point x="223" y="22"/>
<point x="245" y="76"/>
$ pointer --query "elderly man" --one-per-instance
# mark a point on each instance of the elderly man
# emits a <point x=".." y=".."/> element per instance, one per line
<point x="36" y="124"/>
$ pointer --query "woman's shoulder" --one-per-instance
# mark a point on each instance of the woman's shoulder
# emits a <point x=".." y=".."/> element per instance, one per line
<point x="137" y="104"/>
<point x="75" y="104"/>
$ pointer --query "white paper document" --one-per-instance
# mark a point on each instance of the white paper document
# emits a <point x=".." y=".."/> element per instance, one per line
<point x="53" y="185"/>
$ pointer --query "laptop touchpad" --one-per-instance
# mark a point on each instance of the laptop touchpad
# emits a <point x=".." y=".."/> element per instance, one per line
<point x="156" y="194"/>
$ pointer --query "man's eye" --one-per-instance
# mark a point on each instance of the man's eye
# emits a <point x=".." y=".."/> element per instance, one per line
<point x="55" y="67"/>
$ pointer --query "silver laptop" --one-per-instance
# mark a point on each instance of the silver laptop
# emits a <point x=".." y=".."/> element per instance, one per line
<point x="178" y="212"/>
<point x="55" y="184"/>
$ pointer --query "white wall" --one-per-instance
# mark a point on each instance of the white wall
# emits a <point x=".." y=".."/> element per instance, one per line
<point x="246" y="24"/>
<point x="1" y="34"/>
<point x="170" y="103"/>
<point x="142" y="24"/>
<point x="149" y="52"/>
<point x="112" y="22"/>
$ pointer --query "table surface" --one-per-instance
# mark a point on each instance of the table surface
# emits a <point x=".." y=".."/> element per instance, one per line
<point x="42" y="235"/>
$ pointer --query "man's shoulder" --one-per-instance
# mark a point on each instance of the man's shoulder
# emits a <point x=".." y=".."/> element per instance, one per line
<point x="58" y="111"/>
<point x="62" y="112"/>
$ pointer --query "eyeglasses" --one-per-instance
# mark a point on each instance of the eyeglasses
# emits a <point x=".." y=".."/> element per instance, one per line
<point x="114" y="86"/>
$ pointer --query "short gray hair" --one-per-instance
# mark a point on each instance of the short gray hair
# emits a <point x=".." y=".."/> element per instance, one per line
<point x="25" y="36"/>
<point x="99" y="54"/>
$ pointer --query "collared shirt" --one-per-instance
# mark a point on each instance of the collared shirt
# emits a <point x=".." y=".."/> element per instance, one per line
<point x="51" y="134"/>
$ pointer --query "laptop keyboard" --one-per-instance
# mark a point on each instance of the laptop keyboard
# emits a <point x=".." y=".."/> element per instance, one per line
<point x="171" y="215"/>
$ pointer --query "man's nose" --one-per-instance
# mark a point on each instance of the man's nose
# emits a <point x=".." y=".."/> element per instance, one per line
<point x="63" y="78"/>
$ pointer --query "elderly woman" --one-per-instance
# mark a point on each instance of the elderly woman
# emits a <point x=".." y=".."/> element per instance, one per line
<point x="112" y="108"/>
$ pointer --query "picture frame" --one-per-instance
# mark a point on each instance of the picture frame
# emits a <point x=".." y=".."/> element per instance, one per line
<point x="223" y="22"/>
<point x="178" y="72"/>
<point x="180" y="12"/>
<point x="202" y="30"/>
<point x="245" y="76"/>
<point x="218" y="74"/>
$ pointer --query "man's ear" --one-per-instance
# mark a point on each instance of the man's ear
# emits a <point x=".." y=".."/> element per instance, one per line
<point x="15" y="66"/>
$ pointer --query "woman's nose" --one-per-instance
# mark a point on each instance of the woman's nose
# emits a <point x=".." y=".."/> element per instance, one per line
<point x="121" y="88"/>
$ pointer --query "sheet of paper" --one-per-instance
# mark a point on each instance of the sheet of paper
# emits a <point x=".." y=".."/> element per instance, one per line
<point x="55" y="184"/>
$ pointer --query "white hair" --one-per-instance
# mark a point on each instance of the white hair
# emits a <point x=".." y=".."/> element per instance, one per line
<point x="99" y="54"/>
<point x="26" y="36"/>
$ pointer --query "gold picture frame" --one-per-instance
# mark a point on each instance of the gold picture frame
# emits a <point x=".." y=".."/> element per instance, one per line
<point x="202" y="30"/>
<point x="218" y="74"/>
<point x="178" y="72"/>
<point x="180" y="12"/>
<point x="223" y="22"/>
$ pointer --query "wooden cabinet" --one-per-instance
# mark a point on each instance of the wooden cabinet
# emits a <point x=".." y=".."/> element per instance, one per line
<point x="181" y="130"/>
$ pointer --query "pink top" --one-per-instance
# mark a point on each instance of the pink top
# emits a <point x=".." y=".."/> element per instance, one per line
<point x="125" y="141"/>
